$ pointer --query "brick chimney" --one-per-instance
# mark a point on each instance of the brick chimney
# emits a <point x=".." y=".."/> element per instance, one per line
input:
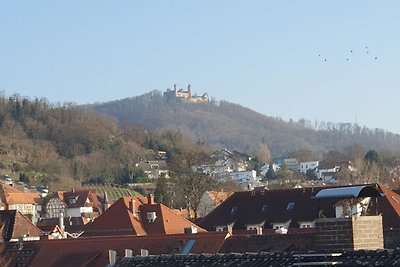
<point x="364" y="232"/>
<point x="150" y="199"/>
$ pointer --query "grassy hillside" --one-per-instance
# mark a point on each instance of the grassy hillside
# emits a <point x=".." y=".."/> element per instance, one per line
<point x="114" y="193"/>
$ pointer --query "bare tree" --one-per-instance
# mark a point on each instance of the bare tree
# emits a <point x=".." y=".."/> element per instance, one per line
<point x="189" y="184"/>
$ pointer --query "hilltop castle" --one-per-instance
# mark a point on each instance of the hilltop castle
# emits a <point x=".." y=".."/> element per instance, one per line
<point x="181" y="96"/>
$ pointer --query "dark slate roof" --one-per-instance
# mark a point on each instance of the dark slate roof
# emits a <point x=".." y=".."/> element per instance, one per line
<point x="249" y="208"/>
<point x="79" y="197"/>
<point x="71" y="224"/>
<point x="341" y="258"/>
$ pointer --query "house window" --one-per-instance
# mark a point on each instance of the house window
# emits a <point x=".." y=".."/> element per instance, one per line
<point x="151" y="216"/>
<point x="290" y="206"/>
<point x="221" y="228"/>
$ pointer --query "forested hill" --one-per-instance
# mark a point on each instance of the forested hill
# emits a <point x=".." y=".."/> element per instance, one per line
<point x="235" y="127"/>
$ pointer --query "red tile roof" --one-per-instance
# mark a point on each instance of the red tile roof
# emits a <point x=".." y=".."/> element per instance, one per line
<point x="119" y="219"/>
<point x="11" y="195"/>
<point x="13" y="225"/>
<point x="389" y="206"/>
<point x="94" y="251"/>
<point x="268" y="243"/>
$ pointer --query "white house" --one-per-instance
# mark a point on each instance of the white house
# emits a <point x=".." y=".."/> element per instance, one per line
<point x="264" y="169"/>
<point x="308" y="165"/>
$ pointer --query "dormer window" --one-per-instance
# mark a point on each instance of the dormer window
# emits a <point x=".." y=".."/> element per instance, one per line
<point x="72" y="200"/>
<point x="234" y="210"/>
<point x="264" y="209"/>
<point x="290" y="206"/>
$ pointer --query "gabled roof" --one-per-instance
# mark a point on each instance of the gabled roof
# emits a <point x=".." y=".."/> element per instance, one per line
<point x="120" y="219"/>
<point x="270" y="206"/>
<point x="14" y="225"/>
<point x="219" y="196"/>
<point x="71" y="224"/>
<point x="325" y="165"/>
<point x="12" y="195"/>
<point x="77" y="198"/>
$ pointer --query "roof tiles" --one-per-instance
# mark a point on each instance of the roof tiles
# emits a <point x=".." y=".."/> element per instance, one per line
<point x="122" y="220"/>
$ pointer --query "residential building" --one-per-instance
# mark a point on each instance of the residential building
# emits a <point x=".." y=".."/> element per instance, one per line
<point x="74" y="203"/>
<point x="304" y="167"/>
<point x="28" y="203"/>
<point x="154" y="169"/>
<point x="327" y="170"/>
<point x="264" y="169"/>
<point x="14" y="226"/>
<point x="138" y="216"/>
<point x="294" y="209"/>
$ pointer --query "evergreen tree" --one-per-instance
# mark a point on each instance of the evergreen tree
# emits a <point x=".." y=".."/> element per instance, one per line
<point x="270" y="173"/>
<point x="24" y="178"/>
<point x="161" y="194"/>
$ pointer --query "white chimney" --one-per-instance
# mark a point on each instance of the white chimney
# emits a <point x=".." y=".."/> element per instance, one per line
<point x="190" y="230"/>
<point x="144" y="252"/>
<point x="112" y="257"/>
<point x="61" y="223"/>
<point x="128" y="253"/>
<point x="132" y="207"/>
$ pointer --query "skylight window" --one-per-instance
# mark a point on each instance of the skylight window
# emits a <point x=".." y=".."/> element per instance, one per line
<point x="233" y="210"/>
<point x="264" y="209"/>
<point x="290" y="206"/>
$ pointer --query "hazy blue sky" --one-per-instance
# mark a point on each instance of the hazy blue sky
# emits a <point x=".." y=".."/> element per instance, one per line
<point x="261" y="54"/>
